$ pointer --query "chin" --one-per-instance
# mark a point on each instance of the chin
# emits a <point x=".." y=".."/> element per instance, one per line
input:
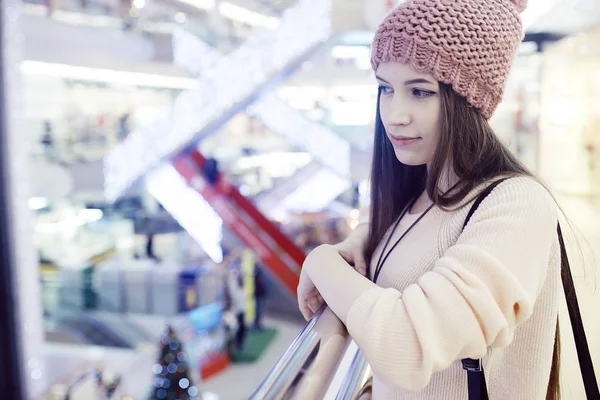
<point x="410" y="159"/>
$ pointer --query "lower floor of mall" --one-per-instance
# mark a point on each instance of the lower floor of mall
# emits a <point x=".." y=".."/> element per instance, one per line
<point x="237" y="380"/>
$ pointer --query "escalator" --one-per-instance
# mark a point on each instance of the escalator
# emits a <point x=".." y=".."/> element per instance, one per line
<point x="64" y="320"/>
<point x="281" y="255"/>
<point x="311" y="189"/>
<point x="227" y="85"/>
<point x="92" y="331"/>
<point x="327" y="148"/>
<point x="315" y="185"/>
<point x="203" y="204"/>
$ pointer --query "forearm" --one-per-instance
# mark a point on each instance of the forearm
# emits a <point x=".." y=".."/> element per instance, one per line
<point x="337" y="282"/>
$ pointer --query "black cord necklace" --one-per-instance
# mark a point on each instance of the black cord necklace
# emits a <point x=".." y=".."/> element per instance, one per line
<point x="382" y="259"/>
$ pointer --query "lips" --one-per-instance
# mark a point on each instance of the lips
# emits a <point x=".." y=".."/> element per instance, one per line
<point x="403" y="140"/>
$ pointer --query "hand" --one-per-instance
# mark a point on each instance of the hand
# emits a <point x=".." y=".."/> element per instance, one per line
<point x="351" y="249"/>
<point x="309" y="298"/>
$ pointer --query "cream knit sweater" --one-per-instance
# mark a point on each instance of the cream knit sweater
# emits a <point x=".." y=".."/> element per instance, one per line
<point x="490" y="292"/>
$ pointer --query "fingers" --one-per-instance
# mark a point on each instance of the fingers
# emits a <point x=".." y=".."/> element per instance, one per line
<point x="315" y="303"/>
<point x="347" y="256"/>
<point x="305" y="309"/>
<point x="310" y="306"/>
<point x="356" y="259"/>
<point x="306" y="313"/>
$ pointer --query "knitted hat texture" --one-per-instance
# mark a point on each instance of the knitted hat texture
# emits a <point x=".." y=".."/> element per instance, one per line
<point x="468" y="44"/>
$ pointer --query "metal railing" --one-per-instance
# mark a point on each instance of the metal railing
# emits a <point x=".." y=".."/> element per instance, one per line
<point x="357" y="381"/>
<point x="322" y="362"/>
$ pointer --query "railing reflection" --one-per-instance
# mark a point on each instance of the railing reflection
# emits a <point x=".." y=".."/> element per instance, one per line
<point x="313" y="364"/>
<point x="357" y="382"/>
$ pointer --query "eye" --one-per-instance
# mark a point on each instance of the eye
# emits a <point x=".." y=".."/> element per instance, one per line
<point x="422" y="94"/>
<point x="386" y="89"/>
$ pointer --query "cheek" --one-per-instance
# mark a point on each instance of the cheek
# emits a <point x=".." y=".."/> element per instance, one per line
<point x="384" y="110"/>
<point x="435" y="137"/>
<point x="430" y="122"/>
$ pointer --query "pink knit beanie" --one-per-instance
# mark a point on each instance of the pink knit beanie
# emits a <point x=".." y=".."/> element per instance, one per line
<point x="469" y="44"/>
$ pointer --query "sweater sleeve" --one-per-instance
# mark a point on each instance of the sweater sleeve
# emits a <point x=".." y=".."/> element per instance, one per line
<point x="475" y="296"/>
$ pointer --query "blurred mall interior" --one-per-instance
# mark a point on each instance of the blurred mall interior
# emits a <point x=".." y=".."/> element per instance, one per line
<point x="167" y="163"/>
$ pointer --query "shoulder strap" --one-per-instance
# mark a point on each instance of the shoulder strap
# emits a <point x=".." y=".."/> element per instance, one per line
<point x="485" y="193"/>
<point x="583" y="351"/>
<point x="475" y="373"/>
<point x="474" y="368"/>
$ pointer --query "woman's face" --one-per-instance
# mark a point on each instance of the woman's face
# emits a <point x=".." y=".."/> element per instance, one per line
<point x="410" y="112"/>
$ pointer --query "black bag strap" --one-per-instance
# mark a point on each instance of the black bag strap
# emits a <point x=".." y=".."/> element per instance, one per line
<point x="481" y="197"/>
<point x="583" y="351"/>
<point x="475" y="374"/>
<point x="475" y="379"/>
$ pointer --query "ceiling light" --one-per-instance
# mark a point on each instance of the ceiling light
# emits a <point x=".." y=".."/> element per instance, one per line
<point x="201" y="4"/>
<point x="180" y="17"/>
<point x="241" y="14"/>
<point x="37" y="203"/>
<point x="106" y="75"/>
<point x="88" y="215"/>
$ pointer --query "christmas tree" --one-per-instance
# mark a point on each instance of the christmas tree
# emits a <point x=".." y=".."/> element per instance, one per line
<point x="172" y="380"/>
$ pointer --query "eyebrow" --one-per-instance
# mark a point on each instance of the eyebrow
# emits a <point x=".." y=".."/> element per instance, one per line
<point x="409" y="82"/>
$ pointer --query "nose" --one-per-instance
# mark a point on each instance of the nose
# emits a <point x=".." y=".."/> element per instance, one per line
<point x="399" y="112"/>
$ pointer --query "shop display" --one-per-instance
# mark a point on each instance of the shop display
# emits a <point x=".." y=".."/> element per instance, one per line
<point x="203" y="333"/>
<point x="75" y="287"/>
<point x="166" y="299"/>
<point x="136" y="285"/>
<point x="67" y="235"/>
<point x="108" y="283"/>
<point x="177" y="289"/>
<point x="83" y="120"/>
<point x="145" y="287"/>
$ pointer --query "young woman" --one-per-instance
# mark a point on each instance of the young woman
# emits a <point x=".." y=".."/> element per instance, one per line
<point x="426" y="293"/>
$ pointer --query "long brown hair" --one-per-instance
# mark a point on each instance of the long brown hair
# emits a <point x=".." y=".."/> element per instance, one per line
<point x="467" y="144"/>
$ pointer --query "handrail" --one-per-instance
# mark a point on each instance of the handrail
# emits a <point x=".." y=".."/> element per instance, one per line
<point x="290" y="364"/>
<point x="307" y="367"/>
<point x="356" y="379"/>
